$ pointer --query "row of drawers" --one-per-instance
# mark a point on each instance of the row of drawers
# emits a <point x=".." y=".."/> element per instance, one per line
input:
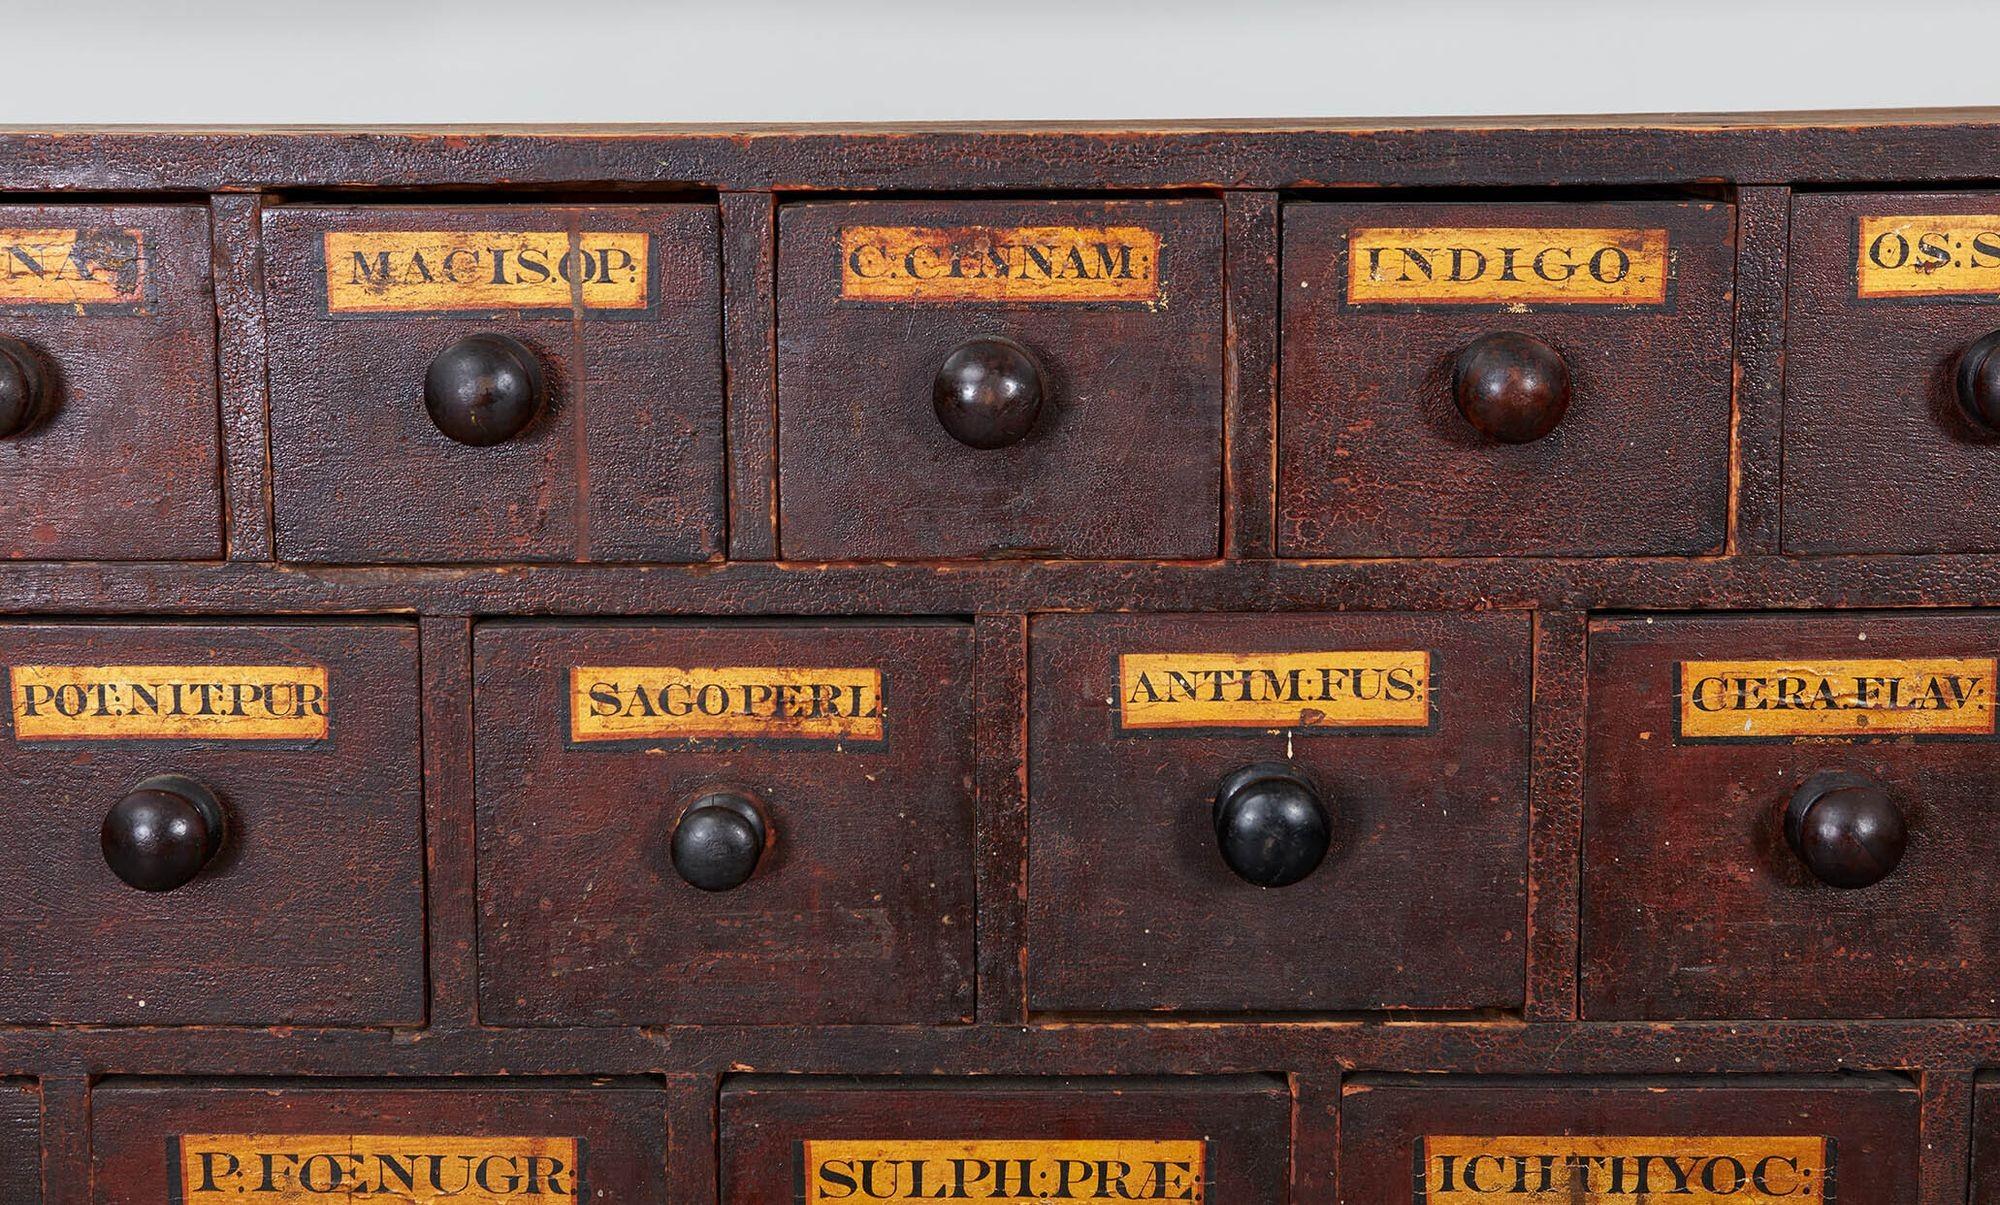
<point x="994" y="377"/>
<point x="774" y="823"/>
<point x="1444" y="1140"/>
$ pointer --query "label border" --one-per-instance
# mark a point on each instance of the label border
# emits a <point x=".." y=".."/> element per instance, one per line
<point x="1430" y="727"/>
<point x="1668" y="304"/>
<point x="1846" y="738"/>
<point x="322" y="302"/>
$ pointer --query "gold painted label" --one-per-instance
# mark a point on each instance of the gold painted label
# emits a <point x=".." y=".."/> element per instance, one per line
<point x="1904" y="696"/>
<point x="1625" y="1171"/>
<point x="282" y="1169"/>
<point x="1936" y="255"/>
<point x="1506" y="265"/>
<point x="623" y="703"/>
<point x="1275" y="690"/>
<point x="101" y="266"/>
<point x="169" y="702"/>
<point x="999" y="263"/>
<point x="1004" y="1172"/>
<point x="453" y="271"/>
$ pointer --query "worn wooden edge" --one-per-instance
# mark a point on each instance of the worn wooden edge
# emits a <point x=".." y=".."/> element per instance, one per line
<point x="693" y="1136"/>
<point x="1555" y="814"/>
<point x="1315" y="1135"/>
<point x="750" y="350"/>
<point x="451" y="905"/>
<point x="1944" y="1160"/>
<point x="1763" y="242"/>
<point x="1250" y="382"/>
<point x="236" y="238"/>
<point x="1000" y="792"/>
<point x="65" y="1140"/>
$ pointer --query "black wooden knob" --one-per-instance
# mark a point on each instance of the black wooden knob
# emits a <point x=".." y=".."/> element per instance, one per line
<point x="25" y="391"/>
<point x="989" y="392"/>
<point x="1846" y="829"/>
<point x="1979" y="382"/>
<point x="484" y="389"/>
<point x="1512" y="387"/>
<point x="719" y="840"/>
<point x="1270" y="824"/>
<point x="163" y="832"/>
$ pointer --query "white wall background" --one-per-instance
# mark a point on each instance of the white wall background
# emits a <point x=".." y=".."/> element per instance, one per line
<point x="380" y="61"/>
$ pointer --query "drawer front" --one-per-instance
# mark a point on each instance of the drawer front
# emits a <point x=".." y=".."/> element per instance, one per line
<point x="840" y="759"/>
<point x="20" y="1142"/>
<point x="1409" y="731"/>
<point x="1182" y="1139"/>
<point x="1888" y="294"/>
<point x="1611" y="1142"/>
<point x="292" y="893"/>
<point x="615" y="308"/>
<point x="1108" y="396"/>
<point x="107" y="318"/>
<point x="294" y="1143"/>
<point x="1393" y="311"/>
<point x="1781" y="814"/>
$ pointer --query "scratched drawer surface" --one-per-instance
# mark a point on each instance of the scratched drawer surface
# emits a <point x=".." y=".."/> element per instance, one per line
<point x="1607" y="1141"/>
<point x="1782" y="813"/>
<point x="1505" y="378"/>
<point x="415" y="1143"/>
<point x="1231" y="800"/>
<point x="108" y="421"/>
<point x="227" y="824"/>
<point x="749" y="823"/>
<point x="504" y="383"/>
<point x="1184" y="1138"/>
<point x="1008" y="378"/>
<point x="20" y="1142"/>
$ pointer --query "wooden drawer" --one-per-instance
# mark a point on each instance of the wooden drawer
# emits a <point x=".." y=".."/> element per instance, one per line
<point x="816" y="1142"/>
<point x="1411" y="732"/>
<point x="1888" y="293"/>
<point x="849" y="745"/>
<point x="1114" y="314"/>
<point x="415" y="1142"/>
<point x="1590" y="1141"/>
<point x="300" y="880"/>
<point x="1390" y="307"/>
<point x="1875" y="732"/>
<point x="20" y="1142"/>
<point x="107" y="319"/>
<point x="615" y="308"/>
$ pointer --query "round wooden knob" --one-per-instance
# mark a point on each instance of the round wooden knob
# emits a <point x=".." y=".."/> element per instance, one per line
<point x="1846" y="829"/>
<point x="25" y="391"/>
<point x="163" y="832"/>
<point x="1512" y="387"/>
<point x="484" y="389"/>
<point x="1270" y="824"/>
<point x="989" y="392"/>
<point x="719" y="840"/>
<point x="1979" y="382"/>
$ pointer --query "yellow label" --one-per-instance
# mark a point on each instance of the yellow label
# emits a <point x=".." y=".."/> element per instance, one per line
<point x="1625" y="1171"/>
<point x="279" y="1169"/>
<point x="996" y="263"/>
<point x="623" y="703"/>
<point x="169" y="702"/>
<point x="1760" y="700"/>
<point x="1506" y="265"/>
<point x="1004" y="1172"/>
<point x="1929" y="256"/>
<point x="72" y="267"/>
<point x="448" y="271"/>
<point x="1275" y="690"/>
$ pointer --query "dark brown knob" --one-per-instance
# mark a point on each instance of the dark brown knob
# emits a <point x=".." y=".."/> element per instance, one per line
<point x="1512" y="387"/>
<point x="1979" y="382"/>
<point x="25" y="391"/>
<point x="484" y="389"/>
<point x="988" y="392"/>
<point x="163" y="832"/>
<point x="1845" y="828"/>
<point x="1270" y="825"/>
<point x="719" y="840"/>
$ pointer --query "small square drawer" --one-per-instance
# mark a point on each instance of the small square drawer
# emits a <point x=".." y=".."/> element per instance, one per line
<point x="20" y="1142"/>
<point x="560" y="1142"/>
<point x="818" y="1142"/>
<point x="730" y="824"/>
<point x="1782" y="812"/>
<point x="1505" y="378"/>
<point x="496" y="383"/>
<point x="1231" y="800"/>
<point x="227" y="824"/>
<point x="1000" y="378"/>
<point x="1464" y="1140"/>
<point x="109" y="428"/>
<point x="1892" y="387"/>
